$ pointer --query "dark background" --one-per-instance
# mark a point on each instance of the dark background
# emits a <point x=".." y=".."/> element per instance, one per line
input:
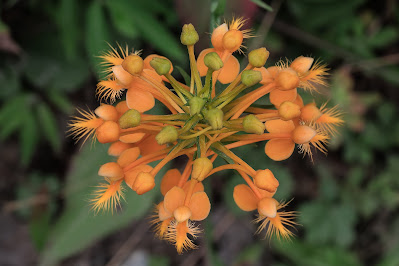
<point x="347" y="202"/>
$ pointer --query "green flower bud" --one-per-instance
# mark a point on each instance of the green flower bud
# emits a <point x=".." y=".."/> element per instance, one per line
<point x="201" y="168"/>
<point x="196" y="105"/>
<point x="130" y="118"/>
<point x="213" y="61"/>
<point x="215" y="118"/>
<point x="251" y="77"/>
<point x="189" y="35"/>
<point x="160" y="65"/>
<point x="258" y="57"/>
<point x="167" y="135"/>
<point x="252" y="124"/>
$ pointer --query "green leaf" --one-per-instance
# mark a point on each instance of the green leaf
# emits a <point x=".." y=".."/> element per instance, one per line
<point x="124" y="22"/>
<point x="97" y="33"/>
<point x="78" y="227"/>
<point x="49" y="126"/>
<point x="61" y="101"/>
<point x="262" y="5"/>
<point x="29" y="137"/>
<point x="184" y="74"/>
<point x="68" y="23"/>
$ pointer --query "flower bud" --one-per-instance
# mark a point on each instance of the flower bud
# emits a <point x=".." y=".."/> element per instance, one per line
<point x="302" y="64"/>
<point x="107" y="112"/>
<point x="111" y="170"/>
<point x="264" y="179"/>
<point x="144" y="182"/>
<point x="212" y="61"/>
<point x="251" y="77"/>
<point x="108" y="132"/>
<point x="289" y="110"/>
<point x="252" y="124"/>
<point x="168" y="134"/>
<point x="232" y="40"/>
<point x="267" y="207"/>
<point x="129" y="119"/>
<point x="201" y="168"/>
<point x="133" y="64"/>
<point x="287" y="79"/>
<point x="215" y="118"/>
<point x="196" y="105"/>
<point x="160" y="65"/>
<point x="303" y="134"/>
<point x="123" y="77"/>
<point x="182" y="213"/>
<point x="217" y="36"/>
<point x="189" y="35"/>
<point x="258" y="57"/>
<point x="310" y="112"/>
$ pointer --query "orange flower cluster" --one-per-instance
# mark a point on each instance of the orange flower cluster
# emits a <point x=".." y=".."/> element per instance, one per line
<point x="206" y="119"/>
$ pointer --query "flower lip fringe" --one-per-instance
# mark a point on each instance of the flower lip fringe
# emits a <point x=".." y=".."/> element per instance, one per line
<point x="202" y="124"/>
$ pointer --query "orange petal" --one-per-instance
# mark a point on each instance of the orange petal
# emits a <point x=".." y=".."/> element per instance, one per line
<point x="149" y="145"/>
<point x="200" y="206"/>
<point x="132" y="138"/>
<point x="169" y="180"/>
<point x="153" y="75"/>
<point x="122" y="107"/>
<point x="130" y="176"/>
<point x="118" y="147"/>
<point x="139" y="99"/>
<point x="279" y="126"/>
<point x="128" y="156"/>
<point x="277" y="97"/>
<point x="202" y="68"/>
<point x="299" y="101"/>
<point x="173" y="199"/>
<point x="198" y="187"/>
<point x="245" y="198"/>
<point x="217" y="36"/>
<point x="229" y="71"/>
<point x="279" y="149"/>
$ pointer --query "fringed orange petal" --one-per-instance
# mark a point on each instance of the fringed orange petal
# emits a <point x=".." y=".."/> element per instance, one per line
<point x="229" y="71"/>
<point x="174" y="198"/>
<point x="245" y="198"/>
<point x="132" y="138"/>
<point x="128" y="156"/>
<point x="139" y="99"/>
<point x="279" y="126"/>
<point x="170" y="179"/>
<point x="200" y="206"/>
<point x="277" y="97"/>
<point x="279" y="149"/>
<point x="202" y="68"/>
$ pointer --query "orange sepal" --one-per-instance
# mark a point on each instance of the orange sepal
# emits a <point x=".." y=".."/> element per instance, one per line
<point x="277" y="97"/>
<point x="279" y="149"/>
<point x="245" y="198"/>
<point x="202" y="68"/>
<point x="150" y="145"/>
<point x="169" y="180"/>
<point x="279" y="126"/>
<point x="130" y="176"/>
<point x="174" y="198"/>
<point x="116" y="148"/>
<point x="128" y="156"/>
<point x="122" y="107"/>
<point x="132" y="138"/>
<point x="229" y="71"/>
<point x="200" y="206"/>
<point x="197" y="188"/>
<point x="139" y="99"/>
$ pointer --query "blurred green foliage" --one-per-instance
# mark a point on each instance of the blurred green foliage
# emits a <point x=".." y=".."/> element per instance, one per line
<point x="45" y="70"/>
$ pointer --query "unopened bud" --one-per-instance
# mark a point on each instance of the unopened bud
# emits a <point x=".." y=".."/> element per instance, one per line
<point x="267" y="207"/>
<point x="251" y="77"/>
<point x="289" y="110"/>
<point x="232" y="40"/>
<point x="310" y="112"/>
<point x="133" y="64"/>
<point x="302" y="64"/>
<point x="303" y="134"/>
<point x="160" y="65"/>
<point x="111" y="170"/>
<point x="182" y="213"/>
<point x="107" y="112"/>
<point x="129" y="119"/>
<point x="189" y="35"/>
<point x="144" y="182"/>
<point x="264" y="179"/>
<point x="287" y="79"/>
<point x="201" y="168"/>
<point x="108" y="132"/>
<point x="212" y="61"/>
<point x="258" y="57"/>
<point x="215" y="118"/>
<point x="168" y="134"/>
<point x="251" y="124"/>
<point x="196" y="105"/>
